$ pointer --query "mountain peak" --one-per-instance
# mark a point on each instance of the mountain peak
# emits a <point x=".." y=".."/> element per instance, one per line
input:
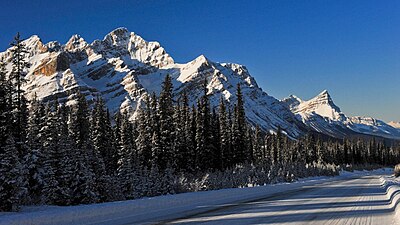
<point x="323" y="105"/>
<point x="120" y="32"/>
<point x="201" y="58"/>
<point x="75" y="42"/>
<point x="324" y="93"/>
<point x="324" y="98"/>
<point x="33" y="38"/>
<point x="34" y="45"/>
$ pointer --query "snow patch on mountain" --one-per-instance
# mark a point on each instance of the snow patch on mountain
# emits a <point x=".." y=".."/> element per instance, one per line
<point x="322" y="115"/>
<point x="394" y="124"/>
<point x="123" y="68"/>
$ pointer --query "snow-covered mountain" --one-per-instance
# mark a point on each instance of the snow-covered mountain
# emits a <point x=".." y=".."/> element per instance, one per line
<point x="321" y="114"/>
<point x="123" y="68"/>
<point x="394" y="124"/>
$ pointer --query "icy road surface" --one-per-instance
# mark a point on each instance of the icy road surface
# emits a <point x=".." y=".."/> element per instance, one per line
<point x="351" y="198"/>
<point x="363" y="200"/>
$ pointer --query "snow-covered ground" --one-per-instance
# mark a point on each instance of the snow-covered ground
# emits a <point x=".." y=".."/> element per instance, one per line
<point x="353" y="198"/>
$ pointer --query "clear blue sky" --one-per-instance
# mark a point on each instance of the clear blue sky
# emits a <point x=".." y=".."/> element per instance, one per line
<point x="301" y="47"/>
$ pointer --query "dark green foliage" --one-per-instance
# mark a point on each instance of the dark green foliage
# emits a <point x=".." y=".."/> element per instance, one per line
<point x="69" y="155"/>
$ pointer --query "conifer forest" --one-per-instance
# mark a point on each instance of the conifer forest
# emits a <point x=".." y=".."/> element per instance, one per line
<point x="54" y="153"/>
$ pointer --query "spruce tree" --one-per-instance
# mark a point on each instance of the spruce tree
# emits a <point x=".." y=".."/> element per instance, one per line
<point x="239" y="128"/>
<point x="224" y="128"/>
<point x="5" y="105"/>
<point x="82" y="186"/>
<point x="156" y="150"/>
<point x="166" y="112"/>
<point x="65" y="156"/>
<point x="102" y="136"/>
<point x="179" y="144"/>
<point x="11" y="181"/>
<point x="258" y="154"/>
<point x="33" y="161"/>
<point x="191" y="140"/>
<point x="143" y="140"/>
<point x="205" y="149"/>
<point x="125" y="171"/>
<point x="50" y="161"/>
<point x="19" y="102"/>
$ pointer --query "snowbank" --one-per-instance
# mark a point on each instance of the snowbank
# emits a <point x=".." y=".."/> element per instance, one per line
<point x="163" y="207"/>
<point x="393" y="193"/>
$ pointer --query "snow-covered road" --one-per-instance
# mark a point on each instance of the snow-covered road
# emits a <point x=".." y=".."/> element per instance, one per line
<point x="351" y="198"/>
<point x="363" y="200"/>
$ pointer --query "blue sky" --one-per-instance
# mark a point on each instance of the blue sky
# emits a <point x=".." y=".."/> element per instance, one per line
<point x="301" y="47"/>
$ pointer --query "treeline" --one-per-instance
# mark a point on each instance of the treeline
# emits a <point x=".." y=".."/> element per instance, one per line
<point x="52" y="153"/>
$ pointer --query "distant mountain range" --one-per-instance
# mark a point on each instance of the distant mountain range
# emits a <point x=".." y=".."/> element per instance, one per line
<point x="322" y="115"/>
<point x="123" y="68"/>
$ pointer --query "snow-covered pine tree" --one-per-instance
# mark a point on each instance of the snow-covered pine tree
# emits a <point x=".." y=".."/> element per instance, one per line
<point x="5" y="104"/>
<point x="191" y="137"/>
<point x="33" y="161"/>
<point x="278" y="146"/>
<point x="249" y="138"/>
<point x="155" y="181"/>
<point x="143" y="140"/>
<point x="216" y="140"/>
<point x="166" y="111"/>
<point x="65" y="158"/>
<point x="49" y="137"/>
<point x="183" y="137"/>
<point x="239" y="128"/>
<point x="125" y="171"/>
<point x="205" y="148"/>
<point x="79" y="123"/>
<point x="19" y="102"/>
<point x="102" y="136"/>
<point x="83" y="190"/>
<point x="11" y="172"/>
<point x="11" y="179"/>
<point x="156" y="150"/>
<point x="179" y="145"/>
<point x="258" y="154"/>
<point x="269" y="148"/>
<point x="224" y="135"/>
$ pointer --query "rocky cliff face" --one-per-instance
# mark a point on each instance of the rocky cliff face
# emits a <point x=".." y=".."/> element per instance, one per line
<point x="123" y="68"/>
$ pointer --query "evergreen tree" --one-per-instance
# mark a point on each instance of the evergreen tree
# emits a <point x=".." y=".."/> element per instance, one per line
<point x="102" y="136"/>
<point x="125" y="171"/>
<point x="257" y="146"/>
<point x="19" y="102"/>
<point x="65" y="155"/>
<point x="215" y="140"/>
<point x="156" y="150"/>
<point x="50" y="147"/>
<point x="80" y="125"/>
<point x="5" y="105"/>
<point x="166" y="112"/>
<point x="239" y="128"/>
<point x="11" y="181"/>
<point x="179" y="145"/>
<point x="33" y="161"/>
<point x="82" y="186"/>
<point x="191" y="140"/>
<point x="205" y="149"/>
<point x="225" y="142"/>
<point x="143" y="140"/>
